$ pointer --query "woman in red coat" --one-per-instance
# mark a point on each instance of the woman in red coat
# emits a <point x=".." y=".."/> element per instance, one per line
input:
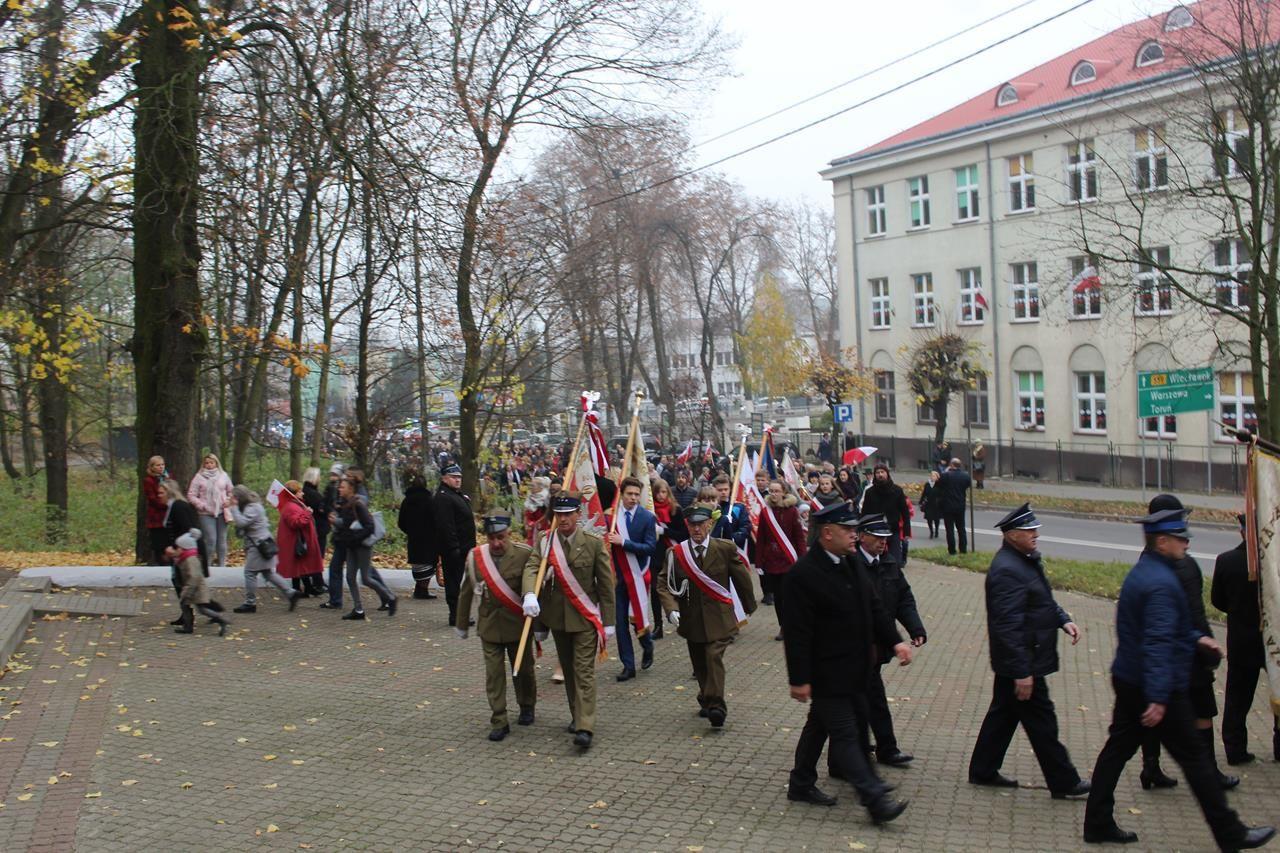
<point x="298" y="524"/>
<point x="773" y="558"/>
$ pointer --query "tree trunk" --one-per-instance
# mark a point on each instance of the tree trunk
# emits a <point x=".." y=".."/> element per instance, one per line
<point x="6" y="457"/>
<point x="169" y="338"/>
<point x="940" y="407"/>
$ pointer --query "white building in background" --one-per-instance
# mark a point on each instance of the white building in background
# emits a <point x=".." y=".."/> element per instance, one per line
<point x="971" y="221"/>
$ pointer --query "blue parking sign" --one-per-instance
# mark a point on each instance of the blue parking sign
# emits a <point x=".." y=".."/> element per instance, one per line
<point x="843" y="413"/>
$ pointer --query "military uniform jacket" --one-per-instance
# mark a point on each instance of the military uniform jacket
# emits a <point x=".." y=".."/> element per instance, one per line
<point x="589" y="562"/>
<point x="703" y="619"/>
<point x="1023" y="620"/>
<point x="495" y="623"/>
<point x="895" y="594"/>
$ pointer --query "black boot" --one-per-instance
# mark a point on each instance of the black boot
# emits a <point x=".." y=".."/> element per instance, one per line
<point x="1227" y="782"/>
<point x="215" y="618"/>
<point x="1152" y="776"/>
<point x="187" y="621"/>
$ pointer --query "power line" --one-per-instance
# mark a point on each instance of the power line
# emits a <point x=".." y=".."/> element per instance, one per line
<point x="808" y="125"/>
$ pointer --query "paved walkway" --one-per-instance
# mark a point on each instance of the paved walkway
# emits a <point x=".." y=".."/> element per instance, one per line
<point x="299" y="731"/>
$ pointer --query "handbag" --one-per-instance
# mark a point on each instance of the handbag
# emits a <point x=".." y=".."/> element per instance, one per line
<point x="267" y="548"/>
<point x="299" y="548"/>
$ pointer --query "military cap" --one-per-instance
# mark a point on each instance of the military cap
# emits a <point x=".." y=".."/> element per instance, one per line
<point x="496" y="523"/>
<point x="565" y="503"/>
<point x="876" y="525"/>
<point x="837" y="513"/>
<point x="1021" y="518"/>
<point x="451" y="471"/>
<point x="697" y="514"/>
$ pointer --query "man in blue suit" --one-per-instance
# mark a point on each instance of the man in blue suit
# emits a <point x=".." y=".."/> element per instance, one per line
<point x="642" y="541"/>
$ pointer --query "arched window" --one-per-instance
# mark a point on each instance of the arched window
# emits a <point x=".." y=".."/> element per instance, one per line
<point x="1178" y="18"/>
<point x="1007" y="95"/>
<point x="1084" y="72"/>
<point x="1150" y="54"/>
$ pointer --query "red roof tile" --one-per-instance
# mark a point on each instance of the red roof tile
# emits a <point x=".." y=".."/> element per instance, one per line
<point x="1114" y="57"/>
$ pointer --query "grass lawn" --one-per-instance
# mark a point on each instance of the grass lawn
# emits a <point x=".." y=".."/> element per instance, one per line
<point x="1092" y="577"/>
<point x="100" y="529"/>
<point x="1105" y="509"/>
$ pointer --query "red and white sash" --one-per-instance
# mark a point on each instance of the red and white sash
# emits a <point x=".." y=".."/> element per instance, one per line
<point x="769" y="520"/>
<point x="635" y="579"/>
<point x="570" y="587"/>
<point x="684" y="556"/>
<point x="494" y="582"/>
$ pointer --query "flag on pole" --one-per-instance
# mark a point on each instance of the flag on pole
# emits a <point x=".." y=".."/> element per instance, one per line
<point x="597" y="451"/>
<point x="1262" y="527"/>
<point x="745" y="493"/>
<point x="686" y="454"/>
<point x="766" y="454"/>
<point x="858" y="455"/>
<point x="580" y="477"/>
<point x="1086" y="279"/>
<point x="709" y="454"/>
<point x="792" y="476"/>
<point x="981" y="298"/>
<point x="273" y="493"/>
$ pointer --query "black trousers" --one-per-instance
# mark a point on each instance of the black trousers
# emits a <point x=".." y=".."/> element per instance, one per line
<point x="1245" y="659"/>
<point x="1038" y="719"/>
<point x="954" y="522"/>
<point x="1177" y="733"/>
<point x="454" y="568"/>
<point x="878" y="716"/>
<point x="835" y="718"/>
<point x="774" y="584"/>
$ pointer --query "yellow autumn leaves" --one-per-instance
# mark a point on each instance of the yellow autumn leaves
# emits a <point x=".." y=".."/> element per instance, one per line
<point x="60" y="359"/>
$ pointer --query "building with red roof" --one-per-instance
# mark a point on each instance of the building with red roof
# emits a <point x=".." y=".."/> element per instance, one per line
<point x="1043" y="220"/>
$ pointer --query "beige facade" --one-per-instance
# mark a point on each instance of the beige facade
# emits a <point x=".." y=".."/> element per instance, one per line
<point x="1062" y="366"/>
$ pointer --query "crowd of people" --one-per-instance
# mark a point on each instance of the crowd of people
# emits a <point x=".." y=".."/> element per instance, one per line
<point x="828" y="547"/>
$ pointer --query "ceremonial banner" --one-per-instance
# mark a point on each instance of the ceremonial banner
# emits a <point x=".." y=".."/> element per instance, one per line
<point x="1262" y="519"/>
<point x="745" y="493"/>
<point x="580" y="478"/>
<point x="792" y="476"/>
<point x="627" y="564"/>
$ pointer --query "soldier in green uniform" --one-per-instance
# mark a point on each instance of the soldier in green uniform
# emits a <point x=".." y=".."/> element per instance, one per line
<point x="495" y="575"/>
<point x="576" y="602"/>
<point x="694" y="587"/>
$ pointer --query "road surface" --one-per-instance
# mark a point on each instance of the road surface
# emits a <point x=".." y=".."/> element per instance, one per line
<point x="1087" y="539"/>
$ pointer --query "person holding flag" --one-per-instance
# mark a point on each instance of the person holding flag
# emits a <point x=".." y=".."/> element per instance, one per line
<point x="633" y="541"/>
<point x="494" y="571"/>
<point x="698" y="599"/>
<point x="780" y="541"/>
<point x="734" y="523"/>
<point x="576" y="604"/>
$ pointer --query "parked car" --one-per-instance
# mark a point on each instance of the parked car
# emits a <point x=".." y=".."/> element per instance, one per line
<point x="552" y="439"/>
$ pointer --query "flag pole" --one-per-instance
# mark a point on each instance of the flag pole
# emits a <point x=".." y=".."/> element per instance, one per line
<point x="737" y="469"/>
<point x="617" y="493"/>
<point x="542" y="566"/>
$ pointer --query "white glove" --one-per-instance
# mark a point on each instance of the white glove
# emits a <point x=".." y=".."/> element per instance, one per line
<point x="760" y="572"/>
<point x="674" y="618"/>
<point x="609" y="631"/>
<point x="541" y="636"/>
<point x="531" y="607"/>
<point x="461" y="632"/>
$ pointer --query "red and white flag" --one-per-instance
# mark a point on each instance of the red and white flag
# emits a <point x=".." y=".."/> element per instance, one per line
<point x="858" y="455"/>
<point x="792" y="476"/>
<point x="745" y="492"/>
<point x="1086" y="279"/>
<point x="686" y="454"/>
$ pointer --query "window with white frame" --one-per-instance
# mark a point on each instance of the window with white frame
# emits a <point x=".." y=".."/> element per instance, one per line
<point x="1231" y="268"/>
<point x="1179" y="17"/>
<point x="881" y="312"/>
<point x="1022" y="184"/>
<point x="966" y="193"/>
<point x="925" y="413"/>
<point x="972" y="301"/>
<point x="1091" y="402"/>
<point x="875" y="211"/>
<point x="1151" y="53"/>
<point x="1160" y="426"/>
<point x="1007" y="95"/>
<point x="1084" y="72"/>
<point x="922" y="295"/>
<point x="1082" y="171"/>
<point x="1232" y="152"/>
<point x="1150" y="158"/>
<point x="918" y="197"/>
<point x="1153" y="290"/>
<point x="1235" y="400"/>
<point x="886" y="398"/>
<point x="1086" y="288"/>
<point x="1025" y="291"/>
<point x="977" y="407"/>
<point x="1030" y="384"/>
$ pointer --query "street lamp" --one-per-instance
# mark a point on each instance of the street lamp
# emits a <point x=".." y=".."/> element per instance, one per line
<point x="702" y="425"/>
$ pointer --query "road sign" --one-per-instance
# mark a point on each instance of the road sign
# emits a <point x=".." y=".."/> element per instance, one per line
<point x="1169" y="392"/>
<point x="842" y="412"/>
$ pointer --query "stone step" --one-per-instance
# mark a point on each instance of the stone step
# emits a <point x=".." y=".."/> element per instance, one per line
<point x="15" y="616"/>
<point x="28" y="583"/>
<point x="92" y="605"/>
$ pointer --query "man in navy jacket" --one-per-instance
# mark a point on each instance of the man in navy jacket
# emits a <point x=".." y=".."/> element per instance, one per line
<point x="1023" y="622"/>
<point x="734" y="523"/>
<point x="642" y="541"/>
<point x="1156" y="646"/>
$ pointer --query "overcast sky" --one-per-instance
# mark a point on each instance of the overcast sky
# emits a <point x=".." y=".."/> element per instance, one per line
<point x="793" y="49"/>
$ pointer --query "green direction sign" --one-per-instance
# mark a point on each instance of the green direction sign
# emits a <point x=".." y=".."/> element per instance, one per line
<point x="1169" y="392"/>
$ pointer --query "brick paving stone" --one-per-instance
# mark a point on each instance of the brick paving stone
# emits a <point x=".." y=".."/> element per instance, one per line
<point x="378" y="737"/>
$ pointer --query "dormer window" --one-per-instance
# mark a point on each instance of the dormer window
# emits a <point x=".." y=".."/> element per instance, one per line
<point x="1178" y="18"/>
<point x="1007" y="95"/>
<point x="1149" y="54"/>
<point x="1084" y="72"/>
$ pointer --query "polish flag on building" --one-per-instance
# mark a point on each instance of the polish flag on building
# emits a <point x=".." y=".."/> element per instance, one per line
<point x="1087" y="279"/>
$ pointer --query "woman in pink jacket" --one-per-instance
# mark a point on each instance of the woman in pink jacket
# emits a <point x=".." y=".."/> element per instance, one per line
<point x="297" y="533"/>
<point x="210" y="494"/>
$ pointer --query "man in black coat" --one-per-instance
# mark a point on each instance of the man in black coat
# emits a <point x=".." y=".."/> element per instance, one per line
<point x="873" y="557"/>
<point x="831" y="627"/>
<point x="417" y="520"/>
<point x="886" y="498"/>
<point x="456" y="529"/>
<point x="1237" y="596"/>
<point x="1022" y="624"/>
<point x="953" y="489"/>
